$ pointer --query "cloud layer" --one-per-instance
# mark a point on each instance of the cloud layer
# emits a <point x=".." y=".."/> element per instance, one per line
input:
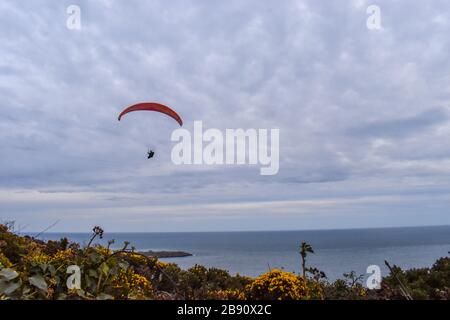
<point x="363" y="114"/>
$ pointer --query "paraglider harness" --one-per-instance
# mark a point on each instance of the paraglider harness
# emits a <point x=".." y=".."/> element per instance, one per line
<point x="150" y="154"/>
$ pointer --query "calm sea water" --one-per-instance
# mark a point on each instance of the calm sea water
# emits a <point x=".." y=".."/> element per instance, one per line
<point x="253" y="253"/>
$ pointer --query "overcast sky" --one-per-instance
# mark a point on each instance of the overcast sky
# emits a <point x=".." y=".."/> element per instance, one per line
<point x="363" y="114"/>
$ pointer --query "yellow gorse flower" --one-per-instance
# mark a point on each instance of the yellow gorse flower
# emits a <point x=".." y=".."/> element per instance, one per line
<point x="278" y="285"/>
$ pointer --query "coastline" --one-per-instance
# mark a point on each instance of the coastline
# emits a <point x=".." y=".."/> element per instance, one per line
<point x="166" y="254"/>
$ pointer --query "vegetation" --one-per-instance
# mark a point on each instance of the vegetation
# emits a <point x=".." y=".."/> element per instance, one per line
<point x="305" y="248"/>
<point x="34" y="269"/>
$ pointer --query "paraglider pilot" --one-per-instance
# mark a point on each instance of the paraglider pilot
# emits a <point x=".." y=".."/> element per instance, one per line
<point x="150" y="154"/>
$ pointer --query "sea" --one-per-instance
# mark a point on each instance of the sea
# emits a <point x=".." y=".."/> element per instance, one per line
<point x="252" y="253"/>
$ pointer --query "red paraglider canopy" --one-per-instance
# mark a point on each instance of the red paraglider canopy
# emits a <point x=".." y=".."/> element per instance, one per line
<point x="152" y="106"/>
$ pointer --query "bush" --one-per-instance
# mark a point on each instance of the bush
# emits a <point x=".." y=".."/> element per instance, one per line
<point x="422" y="284"/>
<point x="277" y="285"/>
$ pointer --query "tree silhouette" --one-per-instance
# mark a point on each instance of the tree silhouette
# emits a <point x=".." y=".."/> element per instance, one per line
<point x="305" y="248"/>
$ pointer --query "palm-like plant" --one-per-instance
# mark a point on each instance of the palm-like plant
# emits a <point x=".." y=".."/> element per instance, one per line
<point x="305" y="248"/>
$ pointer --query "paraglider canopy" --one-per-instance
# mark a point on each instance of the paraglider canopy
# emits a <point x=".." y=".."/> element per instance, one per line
<point x="152" y="106"/>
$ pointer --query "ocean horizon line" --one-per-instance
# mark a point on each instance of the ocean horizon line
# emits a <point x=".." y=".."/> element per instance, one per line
<point x="245" y="231"/>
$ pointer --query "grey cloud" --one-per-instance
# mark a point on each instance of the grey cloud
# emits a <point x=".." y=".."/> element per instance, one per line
<point x="401" y="127"/>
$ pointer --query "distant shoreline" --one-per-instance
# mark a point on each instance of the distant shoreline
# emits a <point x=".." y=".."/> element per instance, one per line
<point x="166" y="254"/>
